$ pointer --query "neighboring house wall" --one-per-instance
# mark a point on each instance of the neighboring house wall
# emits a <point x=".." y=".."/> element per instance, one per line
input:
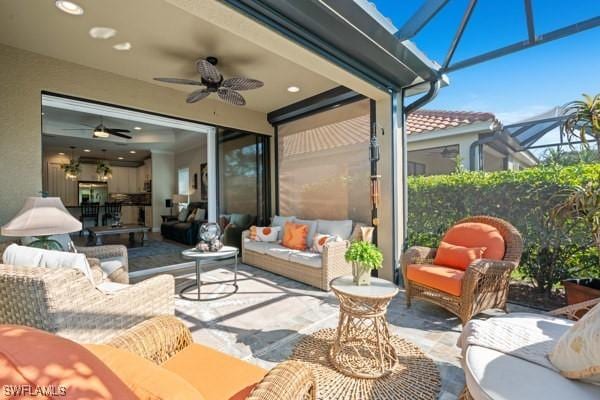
<point x="439" y="164"/>
<point x="25" y="75"/>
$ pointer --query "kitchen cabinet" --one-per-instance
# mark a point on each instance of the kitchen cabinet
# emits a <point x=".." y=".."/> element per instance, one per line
<point x="132" y="186"/>
<point x="59" y="186"/>
<point x="88" y="172"/>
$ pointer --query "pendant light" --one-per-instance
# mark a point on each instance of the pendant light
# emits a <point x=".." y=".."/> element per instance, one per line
<point x="72" y="169"/>
<point x="103" y="169"/>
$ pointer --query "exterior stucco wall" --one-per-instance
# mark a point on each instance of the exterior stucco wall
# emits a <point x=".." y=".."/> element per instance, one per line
<point x="25" y="75"/>
<point x="463" y="141"/>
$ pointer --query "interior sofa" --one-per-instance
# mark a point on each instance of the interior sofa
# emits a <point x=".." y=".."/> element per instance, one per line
<point x="232" y="226"/>
<point x="306" y="266"/>
<point x="184" y="232"/>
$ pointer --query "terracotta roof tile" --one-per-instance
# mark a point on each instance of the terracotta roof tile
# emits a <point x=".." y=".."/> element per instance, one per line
<point x="423" y="121"/>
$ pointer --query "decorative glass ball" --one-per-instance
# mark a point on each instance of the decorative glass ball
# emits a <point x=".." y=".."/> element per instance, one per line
<point x="209" y="232"/>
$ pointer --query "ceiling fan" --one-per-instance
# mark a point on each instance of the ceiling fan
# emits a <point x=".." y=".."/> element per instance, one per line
<point x="211" y="78"/>
<point x="101" y="131"/>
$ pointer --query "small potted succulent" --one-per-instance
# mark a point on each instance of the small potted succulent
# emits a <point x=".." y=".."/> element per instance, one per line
<point x="365" y="257"/>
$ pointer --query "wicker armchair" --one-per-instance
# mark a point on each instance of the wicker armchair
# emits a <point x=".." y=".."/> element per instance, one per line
<point x="485" y="282"/>
<point x="65" y="302"/>
<point x="98" y="254"/>
<point x="160" y="338"/>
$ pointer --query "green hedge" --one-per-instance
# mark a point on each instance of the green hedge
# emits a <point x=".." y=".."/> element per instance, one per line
<point x="521" y="197"/>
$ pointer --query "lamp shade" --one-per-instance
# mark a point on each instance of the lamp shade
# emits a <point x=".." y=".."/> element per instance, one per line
<point x="180" y="198"/>
<point x="41" y="216"/>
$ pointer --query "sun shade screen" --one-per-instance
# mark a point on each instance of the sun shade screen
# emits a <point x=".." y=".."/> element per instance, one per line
<point x="324" y="164"/>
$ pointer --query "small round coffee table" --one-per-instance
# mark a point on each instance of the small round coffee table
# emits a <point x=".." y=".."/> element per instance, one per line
<point x="362" y="347"/>
<point x="205" y="258"/>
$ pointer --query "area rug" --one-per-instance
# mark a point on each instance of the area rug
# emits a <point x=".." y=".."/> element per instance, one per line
<point x="155" y="253"/>
<point x="267" y="311"/>
<point x="416" y="377"/>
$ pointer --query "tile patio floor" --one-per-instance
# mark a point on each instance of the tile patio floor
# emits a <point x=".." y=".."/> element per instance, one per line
<point x="264" y="320"/>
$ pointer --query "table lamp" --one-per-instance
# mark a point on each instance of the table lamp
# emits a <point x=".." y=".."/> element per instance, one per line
<point x="42" y="217"/>
<point x="180" y="199"/>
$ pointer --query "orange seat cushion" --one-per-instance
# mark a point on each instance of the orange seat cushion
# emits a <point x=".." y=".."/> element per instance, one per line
<point x="460" y="257"/>
<point x="476" y="234"/>
<point x="216" y="375"/>
<point x="42" y="360"/>
<point x="294" y="236"/>
<point x="446" y="279"/>
<point x="147" y="380"/>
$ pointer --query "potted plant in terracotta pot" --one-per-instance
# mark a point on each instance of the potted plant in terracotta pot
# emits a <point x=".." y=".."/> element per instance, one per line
<point x="582" y="204"/>
<point x="365" y="257"/>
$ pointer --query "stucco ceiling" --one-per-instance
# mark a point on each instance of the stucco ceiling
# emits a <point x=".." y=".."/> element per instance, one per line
<point x="166" y="41"/>
<point x="64" y="128"/>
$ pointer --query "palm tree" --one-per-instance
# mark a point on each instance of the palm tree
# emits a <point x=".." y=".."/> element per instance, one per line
<point x="583" y="120"/>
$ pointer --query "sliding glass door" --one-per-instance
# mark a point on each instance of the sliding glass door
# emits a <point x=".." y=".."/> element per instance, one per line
<point x="243" y="174"/>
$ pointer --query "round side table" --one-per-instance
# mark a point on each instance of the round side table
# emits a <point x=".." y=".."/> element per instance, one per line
<point x="362" y="347"/>
<point x="209" y="257"/>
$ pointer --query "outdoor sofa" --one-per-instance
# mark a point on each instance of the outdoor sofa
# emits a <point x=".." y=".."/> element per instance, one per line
<point x="306" y="266"/>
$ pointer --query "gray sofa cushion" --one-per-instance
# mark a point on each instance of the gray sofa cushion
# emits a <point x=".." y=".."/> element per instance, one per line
<point x="278" y="251"/>
<point x="341" y="228"/>
<point x="312" y="230"/>
<point x="258" y="247"/>
<point x="307" y="258"/>
<point x="280" y="221"/>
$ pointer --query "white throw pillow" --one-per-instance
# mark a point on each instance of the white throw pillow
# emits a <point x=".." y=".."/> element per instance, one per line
<point x="183" y="214"/>
<point x="320" y="240"/>
<point x="34" y="257"/>
<point x="200" y="214"/>
<point x="267" y="233"/>
<point x="577" y="352"/>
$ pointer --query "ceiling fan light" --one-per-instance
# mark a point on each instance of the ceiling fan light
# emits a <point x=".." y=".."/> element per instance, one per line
<point x="101" y="134"/>
<point x="102" y="32"/>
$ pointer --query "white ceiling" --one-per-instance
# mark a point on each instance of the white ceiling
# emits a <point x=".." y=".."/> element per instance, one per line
<point x="64" y="128"/>
<point x="166" y="42"/>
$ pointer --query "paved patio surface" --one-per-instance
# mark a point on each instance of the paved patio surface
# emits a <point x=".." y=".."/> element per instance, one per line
<point x="267" y="316"/>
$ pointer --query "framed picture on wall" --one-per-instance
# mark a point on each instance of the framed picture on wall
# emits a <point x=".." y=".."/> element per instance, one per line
<point x="204" y="181"/>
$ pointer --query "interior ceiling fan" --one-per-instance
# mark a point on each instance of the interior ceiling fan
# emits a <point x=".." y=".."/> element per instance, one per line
<point x="211" y="78"/>
<point x="101" y="131"/>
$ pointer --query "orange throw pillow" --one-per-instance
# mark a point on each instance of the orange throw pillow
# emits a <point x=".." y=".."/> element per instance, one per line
<point x="146" y="379"/>
<point x="46" y="363"/>
<point x="459" y="257"/>
<point x="294" y="236"/>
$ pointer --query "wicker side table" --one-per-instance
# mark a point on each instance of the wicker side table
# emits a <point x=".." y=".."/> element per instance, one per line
<point x="362" y="347"/>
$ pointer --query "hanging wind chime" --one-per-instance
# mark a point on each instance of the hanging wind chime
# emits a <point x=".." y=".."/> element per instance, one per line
<point x="375" y="177"/>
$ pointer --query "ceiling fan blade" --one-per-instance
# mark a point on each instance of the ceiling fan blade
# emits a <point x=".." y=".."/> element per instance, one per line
<point x="231" y="96"/>
<point x="77" y="129"/>
<point x="197" y="95"/>
<point x="118" y="130"/>
<point x="121" y="135"/>
<point x="208" y="71"/>
<point x="180" y="81"/>
<point x="241" y="83"/>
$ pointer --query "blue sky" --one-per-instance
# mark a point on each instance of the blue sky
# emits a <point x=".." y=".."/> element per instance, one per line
<point x="519" y="85"/>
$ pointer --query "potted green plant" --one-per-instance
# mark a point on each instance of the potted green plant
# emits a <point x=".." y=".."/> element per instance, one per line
<point x="583" y="120"/>
<point x="72" y="170"/>
<point x="582" y="204"/>
<point x="365" y="257"/>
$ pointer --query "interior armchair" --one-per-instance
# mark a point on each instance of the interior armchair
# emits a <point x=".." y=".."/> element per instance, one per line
<point x="482" y="284"/>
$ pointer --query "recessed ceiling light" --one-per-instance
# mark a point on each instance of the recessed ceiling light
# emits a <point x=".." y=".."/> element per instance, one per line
<point x="61" y="154"/>
<point x="137" y="128"/>
<point x="120" y="158"/>
<point x="69" y="7"/>
<point x="102" y="32"/>
<point x="293" y="89"/>
<point x="122" y="46"/>
<point x="132" y="151"/>
<point x="86" y="150"/>
<point x="42" y="113"/>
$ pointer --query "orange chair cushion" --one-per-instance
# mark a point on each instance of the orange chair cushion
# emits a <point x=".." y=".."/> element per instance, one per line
<point x="216" y="375"/>
<point x="476" y="234"/>
<point x="147" y="380"/>
<point x="446" y="279"/>
<point x="294" y="236"/>
<point x="460" y="257"/>
<point x="42" y="360"/>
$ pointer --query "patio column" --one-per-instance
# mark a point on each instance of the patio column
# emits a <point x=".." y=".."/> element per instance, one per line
<point x="391" y="217"/>
<point x="211" y="161"/>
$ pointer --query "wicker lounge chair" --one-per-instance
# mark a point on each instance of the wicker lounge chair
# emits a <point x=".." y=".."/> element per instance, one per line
<point x="482" y="286"/>
<point x="65" y="302"/>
